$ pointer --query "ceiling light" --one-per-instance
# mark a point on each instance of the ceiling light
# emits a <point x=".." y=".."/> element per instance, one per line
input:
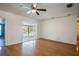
<point x="33" y="10"/>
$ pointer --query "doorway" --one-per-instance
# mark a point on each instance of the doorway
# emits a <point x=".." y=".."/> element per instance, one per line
<point x="2" y="31"/>
<point x="29" y="31"/>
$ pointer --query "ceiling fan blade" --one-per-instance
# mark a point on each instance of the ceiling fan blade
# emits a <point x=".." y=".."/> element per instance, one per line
<point x="78" y="21"/>
<point x="69" y="5"/>
<point x="26" y="8"/>
<point x="29" y="11"/>
<point x="22" y="5"/>
<point x="35" y="5"/>
<point x="41" y="9"/>
<point x="37" y="13"/>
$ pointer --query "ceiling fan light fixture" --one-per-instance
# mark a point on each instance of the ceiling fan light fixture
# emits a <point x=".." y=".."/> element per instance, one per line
<point x="33" y="10"/>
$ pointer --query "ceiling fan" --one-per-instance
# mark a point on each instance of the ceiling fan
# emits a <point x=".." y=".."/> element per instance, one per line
<point x="69" y="5"/>
<point x="33" y="9"/>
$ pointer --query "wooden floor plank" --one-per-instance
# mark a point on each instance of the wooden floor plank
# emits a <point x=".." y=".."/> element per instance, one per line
<point x="40" y="47"/>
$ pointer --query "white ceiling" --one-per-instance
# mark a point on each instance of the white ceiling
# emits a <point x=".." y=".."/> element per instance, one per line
<point x="53" y="10"/>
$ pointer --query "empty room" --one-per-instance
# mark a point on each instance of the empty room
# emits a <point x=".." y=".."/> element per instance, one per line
<point x="39" y="29"/>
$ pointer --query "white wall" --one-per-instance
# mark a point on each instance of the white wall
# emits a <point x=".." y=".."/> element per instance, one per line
<point x="13" y="27"/>
<point x="39" y="29"/>
<point x="60" y="29"/>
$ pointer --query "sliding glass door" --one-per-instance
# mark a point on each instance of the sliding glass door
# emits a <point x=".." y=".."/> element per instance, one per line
<point x="2" y="27"/>
<point x="0" y="31"/>
<point x="29" y="32"/>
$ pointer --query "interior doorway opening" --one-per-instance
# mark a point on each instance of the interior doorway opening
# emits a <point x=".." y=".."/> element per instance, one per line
<point x="29" y="31"/>
<point x="2" y="31"/>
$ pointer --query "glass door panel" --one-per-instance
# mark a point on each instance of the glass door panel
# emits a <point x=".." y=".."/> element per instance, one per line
<point x="0" y="30"/>
<point x="29" y="32"/>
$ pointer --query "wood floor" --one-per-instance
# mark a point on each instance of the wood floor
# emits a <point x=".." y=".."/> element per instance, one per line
<point x="77" y="44"/>
<point x="39" y="47"/>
